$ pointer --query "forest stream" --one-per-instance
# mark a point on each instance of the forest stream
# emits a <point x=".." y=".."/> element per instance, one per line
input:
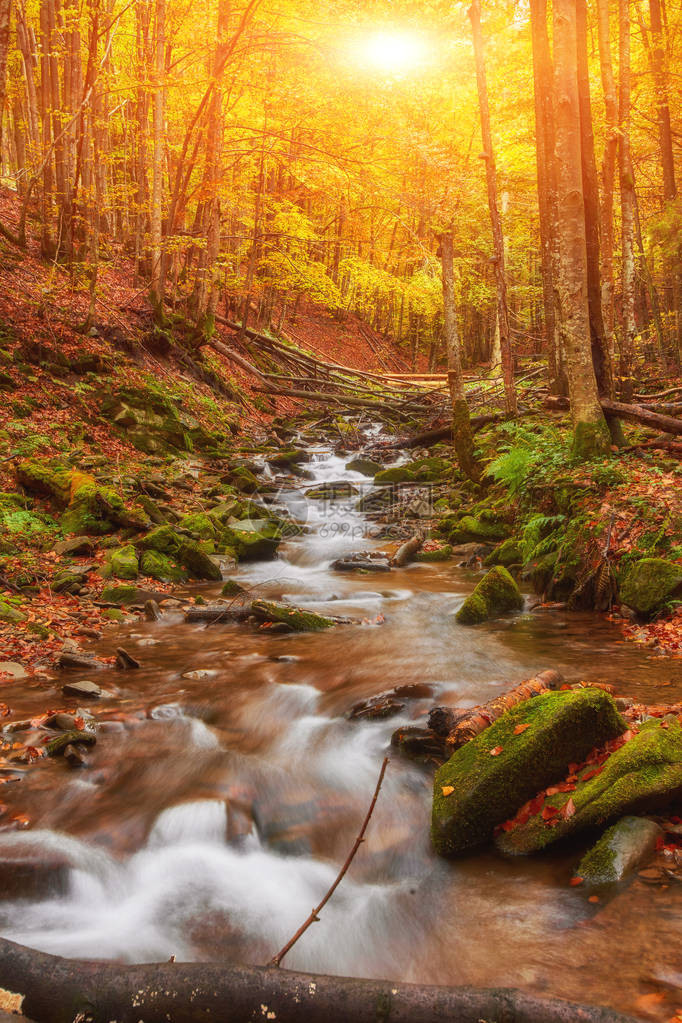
<point x="228" y="784"/>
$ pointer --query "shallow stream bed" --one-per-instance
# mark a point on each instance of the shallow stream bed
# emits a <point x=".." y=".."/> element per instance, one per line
<point x="218" y="807"/>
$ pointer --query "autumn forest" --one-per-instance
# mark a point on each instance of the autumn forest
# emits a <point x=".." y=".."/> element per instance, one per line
<point x="340" y="510"/>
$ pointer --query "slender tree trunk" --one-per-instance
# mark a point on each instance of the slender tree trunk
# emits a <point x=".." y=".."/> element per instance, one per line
<point x="544" y="154"/>
<point x="591" y="436"/>
<point x="608" y="171"/>
<point x="496" y="223"/>
<point x="5" y="15"/>
<point x="156" y="289"/>
<point x="627" y="207"/>
<point x="462" y="433"/>
<point x="47" y="246"/>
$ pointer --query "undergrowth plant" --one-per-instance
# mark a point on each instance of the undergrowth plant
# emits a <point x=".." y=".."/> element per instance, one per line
<point x="528" y="458"/>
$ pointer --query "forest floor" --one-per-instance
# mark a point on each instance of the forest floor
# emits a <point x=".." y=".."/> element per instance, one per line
<point x="57" y="382"/>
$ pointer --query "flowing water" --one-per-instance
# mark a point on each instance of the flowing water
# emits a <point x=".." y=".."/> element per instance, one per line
<point x="219" y="806"/>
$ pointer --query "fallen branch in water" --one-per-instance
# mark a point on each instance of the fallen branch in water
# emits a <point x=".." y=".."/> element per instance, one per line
<point x="313" y="918"/>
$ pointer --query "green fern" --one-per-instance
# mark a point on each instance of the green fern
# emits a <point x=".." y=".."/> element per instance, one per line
<point x="541" y="535"/>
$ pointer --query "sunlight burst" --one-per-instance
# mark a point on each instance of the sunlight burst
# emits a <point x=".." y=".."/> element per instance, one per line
<point x="392" y="51"/>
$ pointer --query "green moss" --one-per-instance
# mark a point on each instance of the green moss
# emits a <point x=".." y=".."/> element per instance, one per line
<point x="198" y="563"/>
<point x="293" y="456"/>
<point x="363" y="465"/>
<point x="650" y="585"/>
<point x="440" y="554"/>
<point x="507" y="553"/>
<point x="10" y="614"/>
<point x="232" y="589"/>
<point x="123" y="562"/>
<point x="119" y="594"/>
<point x="398" y="474"/>
<point x="644" y="774"/>
<point x="294" y="618"/>
<point x="159" y="566"/>
<point x="254" y="539"/>
<point x="621" y="849"/>
<point x="477" y="529"/>
<point x="564" y="727"/>
<point x="163" y="539"/>
<point x="496" y="594"/>
<point x="591" y="440"/>
<point x="200" y="525"/>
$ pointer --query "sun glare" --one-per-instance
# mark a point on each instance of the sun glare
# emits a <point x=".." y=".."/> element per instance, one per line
<point x="392" y="52"/>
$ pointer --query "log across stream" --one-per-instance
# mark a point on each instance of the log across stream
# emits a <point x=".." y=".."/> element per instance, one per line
<point x="227" y="786"/>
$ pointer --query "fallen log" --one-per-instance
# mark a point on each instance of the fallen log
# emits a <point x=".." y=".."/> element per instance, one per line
<point x="210" y="613"/>
<point x="429" y="437"/>
<point x="465" y="725"/>
<point x="55" y="990"/>
<point x="631" y="413"/>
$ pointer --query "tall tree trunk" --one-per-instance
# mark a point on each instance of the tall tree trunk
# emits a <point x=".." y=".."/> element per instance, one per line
<point x="462" y="433"/>
<point x="496" y="223"/>
<point x="591" y="436"/>
<point x="627" y="207"/>
<point x="156" y="288"/>
<point x="544" y="155"/>
<point x="601" y="356"/>
<point x="608" y="171"/>
<point x="5" y="14"/>
<point x="47" y="246"/>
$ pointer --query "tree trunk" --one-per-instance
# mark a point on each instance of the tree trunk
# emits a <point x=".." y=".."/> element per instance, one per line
<point x="608" y="171"/>
<point x="462" y="435"/>
<point x="544" y="152"/>
<point x="5" y="15"/>
<point x="496" y="223"/>
<point x="627" y="207"/>
<point x="156" y="288"/>
<point x="591" y="436"/>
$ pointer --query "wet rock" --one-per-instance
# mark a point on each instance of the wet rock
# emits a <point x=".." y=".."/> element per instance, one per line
<point x="489" y="778"/>
<point x="159" y="566"/>
<point x="125" y="661"/>
<point x="122" y="563"/>
<point x="30" y="871"/>
<point x="76" y="545"/>
<point x="9" y="613"/>
<point x="69" y="581"/>
<point x="152" y="611"/>
<point x="254" y="539"/>
<point x="642" y="776"/>
<point x="650" y="585"/>
<point x="385" y="705"/>
<point x="417" y="743"/>
<point x="81" y="721"/>
<point x="75" y="755"/>
<point x="57" y="746"/>
<point x="119" y="594"/>
<point x="83" y="688"/>
<point x="507" y="553"/>
<point x="361" y="563"/>
<point x="364" y="465"/>
<point x="200" y="673"/>
<point x="414" y="691"/>
<point x="481" y="529"/>
<point x="442" y="720"/>
<point x="285" y="459"/>
<point x="15" y="670"/>
<point x="443" y="553"/>
<point x="496" y="594"/>
<point x="332" y="491"/>
<point x="78" y="661"/>
<point x="620" y="850"/>
<point x="232" y="589"/>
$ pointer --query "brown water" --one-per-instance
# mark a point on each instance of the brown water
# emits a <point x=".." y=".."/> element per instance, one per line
<point x="217" y="810"/>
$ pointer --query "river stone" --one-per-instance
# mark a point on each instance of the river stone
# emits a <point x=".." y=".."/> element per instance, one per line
<point x="619" y="851"/>
<point x="15" y="670"/>
<point x="496" y="772"/>
<point x="496" y="594"/>
<point x="83" y="545"/>
<point x="10" y="614"/>
<point x="644" y="775"/>
<point x="332" y="491"/>
<point x="650" y="585"/>
<point x="365" y="466"/>
<point x="83" y="688"/>
<point x="198" y="563"/>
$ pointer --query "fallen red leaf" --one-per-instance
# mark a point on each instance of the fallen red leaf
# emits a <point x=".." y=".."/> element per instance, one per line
<point x="496" y="752"/>
<point x="520" y="728"/>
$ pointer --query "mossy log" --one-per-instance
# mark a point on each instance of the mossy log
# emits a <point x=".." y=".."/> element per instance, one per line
<point x="468" y="723"/>
<point x="55" y="990"/>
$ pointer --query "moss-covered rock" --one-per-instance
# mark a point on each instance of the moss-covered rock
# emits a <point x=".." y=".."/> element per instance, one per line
<point x="119" y="594"/>
<point x="200" y="525"/>
<point x="641" y="776"/>
<point x="439" y="554"/>
<point x="650" y="585"/>
<point x="496" y="594"/>
<point x="198" y="563"/>
<point x="295" y="618"/>
<point x="507" y="553"/>
<point x="163" y="539"/>
<point x="123" y="562"/>
<point x="254" y="539"/>
<point x="333" y="491"/>
<point x="292" y="456"/>
<point x="244" y="481"/>
<point x="620" y="850"/>
<point x="490" y="777"/>
<point x="232" y="589"/>
<point x="472" y="528"/>
<point x="422" y="470"/>
<point x="159" y="566"/>
<point x="363" y="465"/>
<point x="10" y="614"/>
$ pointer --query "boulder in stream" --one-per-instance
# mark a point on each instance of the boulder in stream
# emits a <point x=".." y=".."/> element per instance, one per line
<point x="496" y="594"/>
<point x="365" y="466"/>
<point x="624" y="847"/>
<point x="296" y="619"/>
<point x="644" y="774"/>
<point x="528" y="748"/>
<point x="650" y="585"/>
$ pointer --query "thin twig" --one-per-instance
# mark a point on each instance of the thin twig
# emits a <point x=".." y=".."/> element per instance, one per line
<point x="314" y="918"/>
